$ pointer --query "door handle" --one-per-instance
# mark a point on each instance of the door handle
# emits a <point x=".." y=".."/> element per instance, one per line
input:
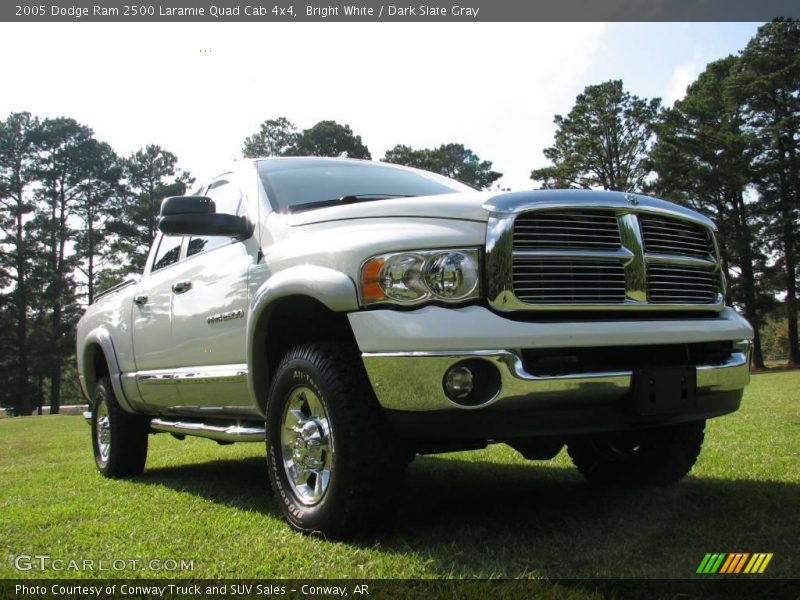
<point x="181" y="286"/>
<point x="140" y="299"/>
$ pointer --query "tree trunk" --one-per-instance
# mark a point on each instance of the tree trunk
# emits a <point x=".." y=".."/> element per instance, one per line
<point x="791" y="290"/>
<point x="792" y="202"/>
<point x="55" y="362"/>
<point x="784" y="166"/>
<point x="748" y="276"/>
<point x="90" y="252"/>
<point x="55" y="386"/>
<point x="22" y="391"/>
<point x="58" y="304"/>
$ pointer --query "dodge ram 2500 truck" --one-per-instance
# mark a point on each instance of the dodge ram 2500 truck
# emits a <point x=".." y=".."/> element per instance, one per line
<point x="352" y="314"/>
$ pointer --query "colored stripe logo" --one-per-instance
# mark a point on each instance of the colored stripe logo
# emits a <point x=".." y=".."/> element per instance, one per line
<point x="734" y="563"/>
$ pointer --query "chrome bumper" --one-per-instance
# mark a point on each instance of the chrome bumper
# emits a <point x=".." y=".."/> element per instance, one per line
<point x="412" y="381"/>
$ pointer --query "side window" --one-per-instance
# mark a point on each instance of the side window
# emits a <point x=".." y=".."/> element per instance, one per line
<point x="228" y="200"/>
<point x="169" y="250"/>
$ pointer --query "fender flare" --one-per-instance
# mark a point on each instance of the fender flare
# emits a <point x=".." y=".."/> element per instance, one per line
<point x="334" y="289"/>
<point x="101" y="337"/>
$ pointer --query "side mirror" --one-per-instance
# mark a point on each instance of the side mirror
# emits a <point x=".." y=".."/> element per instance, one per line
<point x="196" y="215"/>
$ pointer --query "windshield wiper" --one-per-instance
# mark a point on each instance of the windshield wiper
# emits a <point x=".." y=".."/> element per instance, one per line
<point x="350" y="199"/>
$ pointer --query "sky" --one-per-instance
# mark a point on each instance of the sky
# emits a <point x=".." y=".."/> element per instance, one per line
<point x="198" y="89"/>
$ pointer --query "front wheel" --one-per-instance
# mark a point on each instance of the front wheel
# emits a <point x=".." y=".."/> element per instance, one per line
<point x="658" y="456"/>
<point x="333" y="460"/>
<point x="119" y="439"/>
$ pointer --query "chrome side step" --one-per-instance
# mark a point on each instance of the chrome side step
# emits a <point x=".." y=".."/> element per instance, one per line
<point x="219" y="433"/>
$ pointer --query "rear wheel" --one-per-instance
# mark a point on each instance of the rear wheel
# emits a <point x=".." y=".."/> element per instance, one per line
<point x="659" y="456"/>
<point x="119" y="439"/>
<point x="333" y="460"/>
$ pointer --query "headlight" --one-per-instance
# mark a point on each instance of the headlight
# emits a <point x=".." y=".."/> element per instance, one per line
<point x="412" y="277"/>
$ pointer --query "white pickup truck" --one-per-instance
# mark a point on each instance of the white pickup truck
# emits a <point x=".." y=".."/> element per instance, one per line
<point x="352" y="314"/>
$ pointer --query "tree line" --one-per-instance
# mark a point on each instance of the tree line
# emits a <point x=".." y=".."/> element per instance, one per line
<point x="75" y="217"/>
<point x="280" y="137"/>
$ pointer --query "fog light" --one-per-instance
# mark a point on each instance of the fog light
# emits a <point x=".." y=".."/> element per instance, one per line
<point x="458" y="382"/>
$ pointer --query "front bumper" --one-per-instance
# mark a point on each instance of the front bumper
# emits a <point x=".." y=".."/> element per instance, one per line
<point x="413" y="382"/>
<point x="407" y="354"/>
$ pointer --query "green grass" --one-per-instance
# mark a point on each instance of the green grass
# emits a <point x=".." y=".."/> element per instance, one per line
<point x="476" y="514"/>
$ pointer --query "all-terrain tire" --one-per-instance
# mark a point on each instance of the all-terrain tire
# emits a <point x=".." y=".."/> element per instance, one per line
<point x="658" y="456"/>
<point x="119" y="439"/>
<point x="354" y="444"/>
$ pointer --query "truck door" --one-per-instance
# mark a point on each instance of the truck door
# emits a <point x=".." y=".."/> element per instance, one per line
<point x="152" y="336"/>
<point x="209" y="314"/>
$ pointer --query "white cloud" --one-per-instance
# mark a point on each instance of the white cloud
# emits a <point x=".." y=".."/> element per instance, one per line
<point x="682" y="76"/>
<point x="199" y="89"/>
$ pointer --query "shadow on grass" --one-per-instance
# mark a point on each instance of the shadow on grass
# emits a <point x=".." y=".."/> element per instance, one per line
<point x="478" y="519"/>
<point x="240" y="483"/>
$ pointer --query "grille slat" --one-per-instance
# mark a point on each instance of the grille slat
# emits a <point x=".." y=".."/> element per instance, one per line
<point x="571" y="234"/>
<point x="676" y="291"/>
<point x="681" y="277"/>
<point x="566" y="223"/>
<point x="570" y="281"/>
<point x="575" y="266"/>
<point x="522" y="283"/>
<point x="578" y="230"/>
<point x="683" y="241"/>
<point x="681" y="284"/>
<point x="681" y="233"/>
<point x="665" y="235"/>
<point x="670" y="225"/>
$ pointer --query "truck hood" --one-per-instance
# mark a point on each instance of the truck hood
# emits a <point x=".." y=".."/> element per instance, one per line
<point x="466" y="206"/>
<point x="477" y="206"/>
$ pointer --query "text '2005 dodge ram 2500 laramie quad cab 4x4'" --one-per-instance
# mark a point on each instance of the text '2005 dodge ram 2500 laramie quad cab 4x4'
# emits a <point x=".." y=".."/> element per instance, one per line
<point x="354" y="313"/>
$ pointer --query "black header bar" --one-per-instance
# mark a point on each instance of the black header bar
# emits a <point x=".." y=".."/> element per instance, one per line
<point x="430" y="11"/>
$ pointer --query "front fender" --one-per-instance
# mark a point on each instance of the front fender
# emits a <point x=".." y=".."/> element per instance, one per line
<point x="336" y="290"/>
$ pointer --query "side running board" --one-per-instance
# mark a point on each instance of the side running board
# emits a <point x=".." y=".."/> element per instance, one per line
<point x="220" y="433"/>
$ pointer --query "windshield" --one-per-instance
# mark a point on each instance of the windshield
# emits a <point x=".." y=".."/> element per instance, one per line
<point x="292" y="182"/>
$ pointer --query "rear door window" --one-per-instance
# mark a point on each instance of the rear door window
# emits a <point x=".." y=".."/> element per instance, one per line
<point x="168" y="253"/>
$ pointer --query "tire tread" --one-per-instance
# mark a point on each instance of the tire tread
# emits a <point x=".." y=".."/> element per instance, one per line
<point x="372" y="481"/>
<point x="128" y="452"/>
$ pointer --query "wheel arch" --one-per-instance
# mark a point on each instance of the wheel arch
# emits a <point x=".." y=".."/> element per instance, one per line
<point x="301" y="304"/>
<point x="99" y="359"/>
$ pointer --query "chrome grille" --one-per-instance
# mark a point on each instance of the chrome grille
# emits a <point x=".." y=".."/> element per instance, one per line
<point x="665" y="235"/>
<point x="567" y="230"/>
<point x="681" y="284"/>
<point x="568" y="281"/>
<point x="620" y="256"/>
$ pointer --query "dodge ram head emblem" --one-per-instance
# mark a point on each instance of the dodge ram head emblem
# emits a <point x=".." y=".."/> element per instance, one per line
<point x="633" y="200"/>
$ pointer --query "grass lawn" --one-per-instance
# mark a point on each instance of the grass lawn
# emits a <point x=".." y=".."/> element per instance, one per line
<point x="477" y="514"/>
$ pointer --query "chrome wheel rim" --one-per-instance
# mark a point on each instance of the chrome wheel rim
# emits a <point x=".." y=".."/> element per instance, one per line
<point x="103" y="426"/>
<point x="307" y="445"/>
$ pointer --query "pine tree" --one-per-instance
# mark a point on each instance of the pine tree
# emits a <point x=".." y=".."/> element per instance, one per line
<point x="768" y="88"/>
<point x="18" y="138"/>
<point x="151" y="174"/>
<point x="451" y="160"/>
<point x="702" y="158"/>
<point x="604" y="141"/>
